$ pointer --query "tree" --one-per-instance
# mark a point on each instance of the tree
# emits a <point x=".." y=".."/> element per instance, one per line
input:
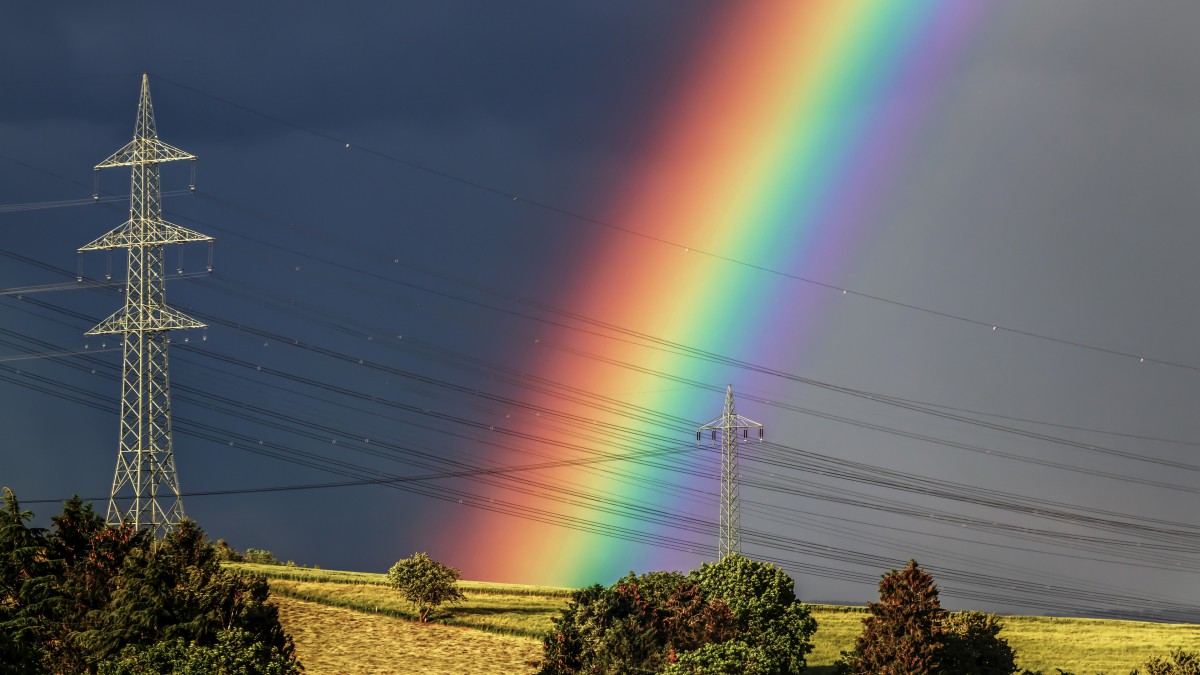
<point x="903" y="634"/>
<point x="23" y="571"/>
<point x="973" y="645"/>
<point x="426" y="583"/>
<point x="642" y="623"/>
<point x="1180" y="663"/>
<point x="72" y="598"/>
<point x="770" y="619"/>
<point x="735" y="616"/>
<point x="236" y="652"/>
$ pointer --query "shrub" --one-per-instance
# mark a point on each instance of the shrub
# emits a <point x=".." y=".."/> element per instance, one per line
<point x="734" y="616"/>
<point x="762" y="597"/>
<point x="973" y="645"/>
<point x="227" y="553"/>
<point x="426" y="583"/>
<point x="642" y="623"/>
<point x="903" y="634"/>
<point x="236" y="652"/>
<point x="254" y="555"/>
<point x="732" y="657"/>
<point x="1180" y="663"/>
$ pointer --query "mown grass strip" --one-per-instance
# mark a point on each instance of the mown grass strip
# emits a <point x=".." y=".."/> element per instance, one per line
<point x="377" y="579"/>
<point x="341" y="641"/>
<point x="517" y="615"/>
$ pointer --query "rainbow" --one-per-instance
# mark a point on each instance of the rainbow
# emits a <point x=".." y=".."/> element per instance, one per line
<point x="793" y="117"/>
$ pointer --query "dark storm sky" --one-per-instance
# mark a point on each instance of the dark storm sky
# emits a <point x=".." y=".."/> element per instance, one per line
<point x="1056" y="195"/>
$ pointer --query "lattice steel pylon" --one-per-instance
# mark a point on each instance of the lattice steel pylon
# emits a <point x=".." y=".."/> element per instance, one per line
<point x="145" y="473"/>
<point x="726" y="428"/>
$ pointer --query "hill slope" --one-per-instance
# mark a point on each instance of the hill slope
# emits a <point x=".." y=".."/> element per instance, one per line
<point x="495" y="630"/>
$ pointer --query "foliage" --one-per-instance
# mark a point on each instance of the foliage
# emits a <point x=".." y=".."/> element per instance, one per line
<point x="236" y="652"/>
<point x="732" y="657"/>
<point x="254" y="555"/>
<point x="763" y="600"/>
<point x="227" y="553"/>
<point x="734" y="616"/>
<point x="973" y="645"/>
<point x="72" y="597"/>
<point x="22" y="562"/>
<point x="642" y="623"/>
<point x="426" y="583"/>
<point x="903" y="633"/>
<point x="1180" y="663"/>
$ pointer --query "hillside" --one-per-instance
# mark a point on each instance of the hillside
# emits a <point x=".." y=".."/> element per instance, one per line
<point x="351" y="622"/>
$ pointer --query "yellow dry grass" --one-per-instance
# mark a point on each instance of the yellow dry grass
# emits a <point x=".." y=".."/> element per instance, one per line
<point x="339" y="641"/>
<point x="526" y="615"/>
<point x="519" y="614"/>
<point x="1081" y="646"/>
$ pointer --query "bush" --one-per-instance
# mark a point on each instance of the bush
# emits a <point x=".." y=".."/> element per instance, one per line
<point x="762" y="597"/>
<point x="254" y="555"/>
<point x="973" y="645"/>
<point x="903" y="634"/>
<point x="426" y="583"/>
<point x="235" y="653"/>
<point x="734" y="616"/>
<point x="642" y="623"/>
<point x="1180" y="663"/>
<point x="227" y="553"/>
<point x="732" y="657"/>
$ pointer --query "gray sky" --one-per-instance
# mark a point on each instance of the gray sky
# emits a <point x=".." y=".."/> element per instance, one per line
<point x="1050" y="191"/>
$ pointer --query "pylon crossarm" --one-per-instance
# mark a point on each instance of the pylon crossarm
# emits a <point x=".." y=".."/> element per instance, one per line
<point x="735" y="422"/>
<point x="144" y="151"/>
<point x="156" y="320"/>
<point x="128" y="236"/>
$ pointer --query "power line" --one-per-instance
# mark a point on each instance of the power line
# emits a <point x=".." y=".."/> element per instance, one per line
<point x="579" y="217"/>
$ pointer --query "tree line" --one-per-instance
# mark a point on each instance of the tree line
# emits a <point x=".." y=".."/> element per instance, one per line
<point x="85" y="597"/>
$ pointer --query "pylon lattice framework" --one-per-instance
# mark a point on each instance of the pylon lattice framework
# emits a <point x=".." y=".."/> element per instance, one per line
<point x="726" y="428"/>
<point x="145" y="473"/>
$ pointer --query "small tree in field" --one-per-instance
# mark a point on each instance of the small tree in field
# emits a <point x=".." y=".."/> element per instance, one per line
<point x="904" y="634"/>
<point x="426" y="583"/>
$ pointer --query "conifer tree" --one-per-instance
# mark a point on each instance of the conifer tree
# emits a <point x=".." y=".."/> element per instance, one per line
<point x="903" y="634"/>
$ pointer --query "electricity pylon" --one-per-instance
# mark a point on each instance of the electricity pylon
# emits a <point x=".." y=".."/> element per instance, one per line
<point x="145" y="472"/>
<point x="726" y="427"/>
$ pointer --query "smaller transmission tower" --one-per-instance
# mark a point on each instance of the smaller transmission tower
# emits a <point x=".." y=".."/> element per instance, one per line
<point x="145" y="474"/>
<point x="730" y="429"/>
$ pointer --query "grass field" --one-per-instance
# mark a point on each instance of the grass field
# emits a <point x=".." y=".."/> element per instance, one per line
<point x="339" y="641"/>
<point x="522" y="613"/>
<point x="1080" y="646"/>
<point x="525" y="614"/>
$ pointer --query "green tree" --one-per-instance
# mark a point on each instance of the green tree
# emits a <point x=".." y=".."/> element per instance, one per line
<point x="254" y="555"/>
<point x="903" y="634"/>
<point x="973" y="645"/>
<point x="426" y="583"/>
<point x="1178" y="662"/>
<point x="23" y="574"/>
<point x="642" y="623"/>
<point x="732" y="657"/>
<point x="72" y="597"/>
<point x="236" y="652"/>
<point x="734" y="616"/>
<point x="762" y="598"/>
